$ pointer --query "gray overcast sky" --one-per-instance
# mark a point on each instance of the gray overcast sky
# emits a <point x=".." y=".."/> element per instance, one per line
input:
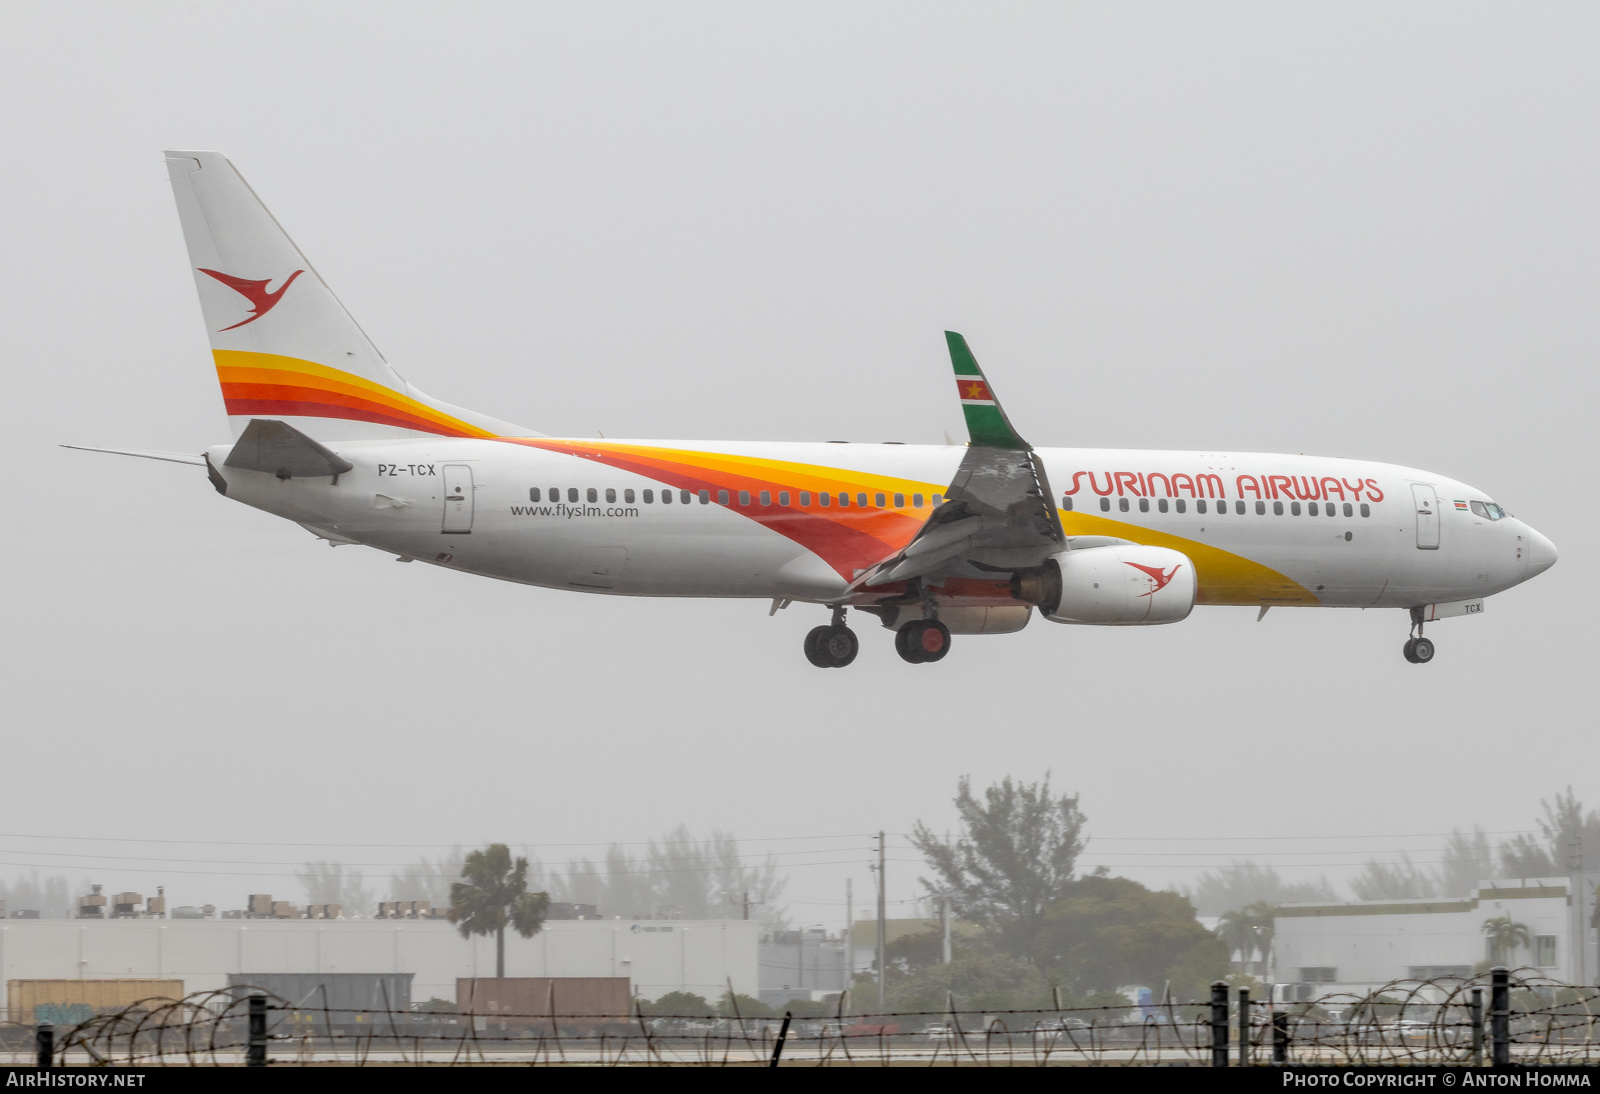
<point x="1358" y="229"/>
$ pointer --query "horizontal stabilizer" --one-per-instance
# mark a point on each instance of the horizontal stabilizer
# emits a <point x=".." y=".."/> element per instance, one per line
<point x="169" y="457"/>
<point x="282" y="450"/>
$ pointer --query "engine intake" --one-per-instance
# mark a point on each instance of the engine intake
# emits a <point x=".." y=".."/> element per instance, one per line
<point x="1123" y="585"/>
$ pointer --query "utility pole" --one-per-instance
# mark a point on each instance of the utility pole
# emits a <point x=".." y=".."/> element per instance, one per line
<point x="1578" y="945"/>
<point x="944" y="926"/>
<point x="747" y="903"/>
<point x="883" y="924"/>
<point x="849" y="933"/>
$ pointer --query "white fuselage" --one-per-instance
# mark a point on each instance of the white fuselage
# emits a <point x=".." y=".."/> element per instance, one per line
<point x="1382" y="536"/>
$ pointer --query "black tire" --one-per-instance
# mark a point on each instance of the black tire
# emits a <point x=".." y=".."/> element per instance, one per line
<point x="840" y="646"/>
<point x="1422" y="651"/>
<point x="935" y="641"/>
<point x="815" y="653"/>
<point x="908" y="642"/>
<point x="1410" y="650"/>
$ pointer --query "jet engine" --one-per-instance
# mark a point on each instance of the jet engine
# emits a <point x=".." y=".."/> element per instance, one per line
<point x="1120" y="585"/>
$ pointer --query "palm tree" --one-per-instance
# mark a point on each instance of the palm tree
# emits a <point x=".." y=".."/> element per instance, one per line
<point x="1504" y="938"/>
<point x="494" y="895"/>
<point x="1262" y="926"/>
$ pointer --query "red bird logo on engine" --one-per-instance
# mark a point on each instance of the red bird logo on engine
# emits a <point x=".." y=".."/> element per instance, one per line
<point x="253" y="291"/>
<point x="1158" y="579"/>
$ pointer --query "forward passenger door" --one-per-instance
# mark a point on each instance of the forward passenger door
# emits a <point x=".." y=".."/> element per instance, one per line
<point x="1427" y="505"/>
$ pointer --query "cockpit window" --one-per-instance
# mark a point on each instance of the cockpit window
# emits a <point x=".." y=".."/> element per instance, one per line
<point x="1479" y="510"/>
<point x="1489" y="510"/>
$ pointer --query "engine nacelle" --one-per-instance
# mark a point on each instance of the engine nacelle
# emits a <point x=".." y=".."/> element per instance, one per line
<point x="1127" y="586"/>
<point x="965" y="618"/>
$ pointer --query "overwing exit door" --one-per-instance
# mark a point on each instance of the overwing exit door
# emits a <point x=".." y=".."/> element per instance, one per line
<point x="1427" y="516"/>
<point x="457" y="498"/>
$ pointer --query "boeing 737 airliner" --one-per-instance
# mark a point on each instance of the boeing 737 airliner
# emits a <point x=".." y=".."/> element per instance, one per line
<point x="932" y="540"/>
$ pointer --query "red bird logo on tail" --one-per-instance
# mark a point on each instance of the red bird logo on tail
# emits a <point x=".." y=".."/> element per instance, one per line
<point x="1158" y="579"/>
<point x="253" y="291"/>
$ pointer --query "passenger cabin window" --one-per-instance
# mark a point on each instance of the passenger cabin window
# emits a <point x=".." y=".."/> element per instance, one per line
<point x="627" y="496"/>
<point x="722" y="497"/>
<point x="1105" y="505"/>
<point x="916" y="501"/>
<point x="744" y="497"/>
<point x="1277" y="508"/>
<point x="825" y="499"/>
<point x="805" y="499"/>
<point x="1200" y="505"/>
<point x="1294" y="509"/>
<point x="592" y="494"/>
<point x="1182" y="505"/>
<point x="1366" y="512"/>
<point x="1312" y="509"/>
<point x="938" y="500"/>
<point x="861" y="501"/>
<point x="1161" y="505"/>
<point x="1066" y="503"/>
<point x="1238" y="507"/>
<point x="572" y="493"/>
<point x="611" y="494"/>
<point x="877" y="499"/>
<point x="533" y="494"/>
<point x="705" y="497"/>
<point x="899" y="501"/>
<point x="1122" y="504"/>
<point x="649" y="497"/>
<point x="844" y="501"/>
<point x="666" y="497"/>
<point x="1348" y="511"/>
<point x="766" y="498"/>
<point x="1144" y="505"/>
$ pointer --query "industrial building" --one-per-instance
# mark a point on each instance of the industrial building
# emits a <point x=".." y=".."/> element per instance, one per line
<point x="657" y="956"/>
<point x="1360" y="945"/>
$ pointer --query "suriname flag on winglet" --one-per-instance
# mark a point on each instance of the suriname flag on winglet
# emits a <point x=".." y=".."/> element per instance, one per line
<point x="987" y="423"/>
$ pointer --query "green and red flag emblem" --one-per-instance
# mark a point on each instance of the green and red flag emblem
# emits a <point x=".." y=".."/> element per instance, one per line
<point x="974" y="389"/>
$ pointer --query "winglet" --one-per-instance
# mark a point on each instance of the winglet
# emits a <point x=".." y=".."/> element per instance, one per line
<point x="987" y="423"/>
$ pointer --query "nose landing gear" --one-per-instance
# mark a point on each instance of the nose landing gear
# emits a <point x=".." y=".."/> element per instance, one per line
<point x="1418" y="650"/>
<point x="832" y="646"/>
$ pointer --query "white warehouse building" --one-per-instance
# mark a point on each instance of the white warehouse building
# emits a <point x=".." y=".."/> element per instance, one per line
<point x="658" y="956"/>
<point x="1360" y="945"/>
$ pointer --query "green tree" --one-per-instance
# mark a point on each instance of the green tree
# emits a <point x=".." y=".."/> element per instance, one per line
<point x="1468" y="862"/>
<point x="1016" y="854"/>
<point x="679" y="1004"/>
<point x="1393" y="881"/>
<point x="1105" y="932"/>
<point x="494" y="896"/>
<point x="1505" y="937"/>
<point x="743" y="1006"/>
<point x="1248" y="930"/>
<point x="1244" y="882"/>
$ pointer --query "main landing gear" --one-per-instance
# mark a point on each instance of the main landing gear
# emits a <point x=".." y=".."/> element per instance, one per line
<point x="1418" y="650"/>
<point x="832" y="646"/>
<point x="922" y="640"/>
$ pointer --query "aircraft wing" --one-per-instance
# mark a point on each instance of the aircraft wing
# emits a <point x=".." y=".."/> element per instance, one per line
<point x="999" y="512"/>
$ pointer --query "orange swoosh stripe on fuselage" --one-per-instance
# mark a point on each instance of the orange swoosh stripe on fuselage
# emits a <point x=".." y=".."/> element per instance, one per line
<point x="261" y="384"/>
<point x="851" y="540"/>
<point x="848" y="539"/>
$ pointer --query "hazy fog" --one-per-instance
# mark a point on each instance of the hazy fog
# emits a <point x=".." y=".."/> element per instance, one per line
<point x="1347" y="229"/>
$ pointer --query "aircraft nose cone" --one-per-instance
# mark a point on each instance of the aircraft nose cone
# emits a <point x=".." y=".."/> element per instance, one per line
<point x="1541" y="553"/>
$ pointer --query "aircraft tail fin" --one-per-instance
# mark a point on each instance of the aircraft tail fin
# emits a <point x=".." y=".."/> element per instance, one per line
<point x="285" y="347"/>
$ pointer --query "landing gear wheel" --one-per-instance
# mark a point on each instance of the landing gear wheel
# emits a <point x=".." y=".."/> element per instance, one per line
<point x="934" y="641"/>
<point x="819" y="657"/>
<point x="908" y="641"/>
<point x="831" y="647"/>
<point x="1421" y="651"/>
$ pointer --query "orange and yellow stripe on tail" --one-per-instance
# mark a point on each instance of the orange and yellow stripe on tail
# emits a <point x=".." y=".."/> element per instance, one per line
<point x="267" y="385"/>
